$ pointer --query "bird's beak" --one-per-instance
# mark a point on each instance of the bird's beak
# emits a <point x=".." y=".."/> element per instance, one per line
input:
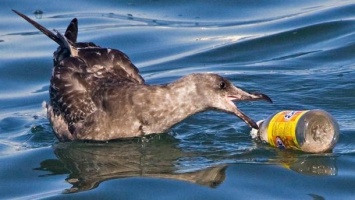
<point x="239" y="95"/>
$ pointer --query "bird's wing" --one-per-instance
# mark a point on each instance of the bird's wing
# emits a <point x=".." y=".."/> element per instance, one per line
<point x="111" y="61"/>
<point x="75" y="80"/>
<point x="82" y="70"/>
<point x="72" y="31"/>
<point x="70" y="91"/>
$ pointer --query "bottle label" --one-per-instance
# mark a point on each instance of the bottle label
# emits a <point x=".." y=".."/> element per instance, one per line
<point x="282" y="129"/>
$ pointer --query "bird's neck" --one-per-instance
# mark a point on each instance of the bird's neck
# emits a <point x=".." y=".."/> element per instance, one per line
<point x="185" y="98"/>
<point x="172" y="104"/>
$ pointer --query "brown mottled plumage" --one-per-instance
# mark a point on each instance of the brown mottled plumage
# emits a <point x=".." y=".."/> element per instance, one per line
<point x="98" y="94"/>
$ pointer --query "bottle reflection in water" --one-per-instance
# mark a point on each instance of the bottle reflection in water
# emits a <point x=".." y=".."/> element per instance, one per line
<point x="312" y="131"/>
<point x="321" y="166"/>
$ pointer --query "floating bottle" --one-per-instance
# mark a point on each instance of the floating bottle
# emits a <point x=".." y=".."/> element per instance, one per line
<point x="312" y="131"/>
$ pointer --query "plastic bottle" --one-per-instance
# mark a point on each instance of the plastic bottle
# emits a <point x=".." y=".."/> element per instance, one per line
<point x="312" y="131"/>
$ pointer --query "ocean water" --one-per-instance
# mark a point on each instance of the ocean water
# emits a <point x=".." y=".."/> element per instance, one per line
<point x="300" y="53"/>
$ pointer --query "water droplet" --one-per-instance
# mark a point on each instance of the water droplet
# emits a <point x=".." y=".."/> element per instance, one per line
<point x="38" y="14"/>
<point x="130" y="16"/>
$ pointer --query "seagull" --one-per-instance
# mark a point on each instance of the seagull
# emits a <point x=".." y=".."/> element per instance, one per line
<point x="98" y="94"/>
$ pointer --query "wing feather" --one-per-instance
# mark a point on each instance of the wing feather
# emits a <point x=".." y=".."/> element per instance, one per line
<point x="76" y="81"/>
<point x="83" y="74"/>
<point x="70" y="93"/>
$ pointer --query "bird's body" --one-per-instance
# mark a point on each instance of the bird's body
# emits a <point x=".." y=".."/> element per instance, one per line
<point x="98" y="94"/>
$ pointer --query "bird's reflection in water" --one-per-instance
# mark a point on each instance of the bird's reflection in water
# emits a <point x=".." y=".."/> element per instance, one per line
<point x="89" y="164"/>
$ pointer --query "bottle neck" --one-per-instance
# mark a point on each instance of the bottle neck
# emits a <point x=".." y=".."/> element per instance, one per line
<point x="255" y="133"/>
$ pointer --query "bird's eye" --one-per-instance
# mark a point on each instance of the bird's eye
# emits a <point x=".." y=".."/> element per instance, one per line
<point x="222" y="85"/>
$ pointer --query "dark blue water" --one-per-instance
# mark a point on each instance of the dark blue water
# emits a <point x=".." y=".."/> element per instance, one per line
<point x="300" y="53"/>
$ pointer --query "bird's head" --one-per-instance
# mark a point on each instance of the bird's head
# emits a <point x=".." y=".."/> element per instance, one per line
<point x="219" y="93"/>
